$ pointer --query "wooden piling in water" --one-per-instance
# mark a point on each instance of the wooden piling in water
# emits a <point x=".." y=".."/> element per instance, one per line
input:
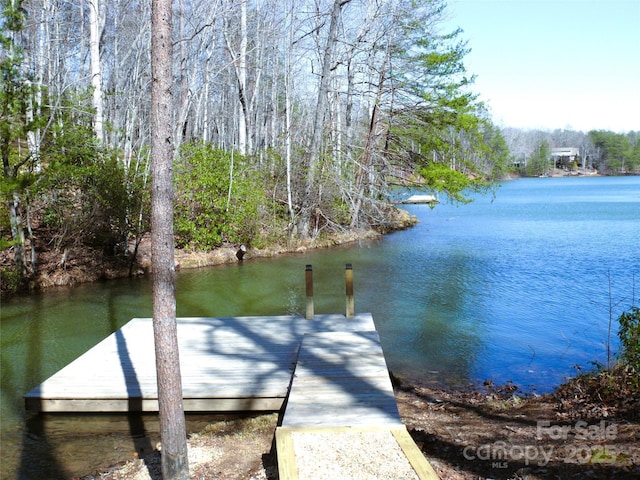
<point x="309" y="288"/>
<point x="350" y="308"/>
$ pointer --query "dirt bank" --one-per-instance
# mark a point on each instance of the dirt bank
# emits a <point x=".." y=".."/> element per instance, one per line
<point x="491" y="433"/>
<point x="79" y="264"/>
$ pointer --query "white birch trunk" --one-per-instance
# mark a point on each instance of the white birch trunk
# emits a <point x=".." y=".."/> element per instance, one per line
<point x="95" y="31"/>
<point x="287" y="99"/>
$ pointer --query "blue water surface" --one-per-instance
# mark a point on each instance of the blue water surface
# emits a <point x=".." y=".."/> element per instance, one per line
<point x="517" y="287"/>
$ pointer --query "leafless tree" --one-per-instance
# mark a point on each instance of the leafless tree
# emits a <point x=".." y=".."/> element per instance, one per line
<point x="303" y="87"/>
<point x="96" y="24"/>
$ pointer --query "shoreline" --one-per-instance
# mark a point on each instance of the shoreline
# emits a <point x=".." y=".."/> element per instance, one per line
<point x="473" y="435"/>
<point x="75" y="266"/>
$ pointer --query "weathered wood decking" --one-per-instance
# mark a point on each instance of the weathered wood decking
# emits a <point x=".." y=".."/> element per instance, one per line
<point x="227" y="364"/>
<point x="341" y="407"/>
<point x="341" y="379"/>
<point x="339" y="398"/>
<point x="417" y="199"/>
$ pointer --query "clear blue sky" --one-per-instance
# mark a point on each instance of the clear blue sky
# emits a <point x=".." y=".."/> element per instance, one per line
<point x="554" y="63"/>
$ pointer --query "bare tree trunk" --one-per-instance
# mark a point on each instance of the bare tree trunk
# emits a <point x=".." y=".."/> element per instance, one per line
<point x="242" y="81"/>
<point x="319" y="118"/>
<point x="288" y="105"/>
<point x="95" y="31"/>
<point x="17" y="233"/>
<point x="184" y="87"/>
<point x="366" y="160"/>
<point x="11" y="172"/>
<point x="175" y="464"/>
<point x="239" y="59"/>
<point x="34" y="109"/>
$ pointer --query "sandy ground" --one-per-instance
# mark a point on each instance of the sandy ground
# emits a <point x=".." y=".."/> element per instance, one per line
<point x="492" y="434"/>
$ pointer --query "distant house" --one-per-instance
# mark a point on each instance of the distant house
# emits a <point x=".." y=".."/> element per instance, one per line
<point x="566" y="157"/>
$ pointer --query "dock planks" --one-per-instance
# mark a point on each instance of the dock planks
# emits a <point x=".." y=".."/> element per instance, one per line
<point x="227" y="364"/>
<point x="330" y="370"/>
<point x="341" y="379"/>
<point x="342" y="409"/>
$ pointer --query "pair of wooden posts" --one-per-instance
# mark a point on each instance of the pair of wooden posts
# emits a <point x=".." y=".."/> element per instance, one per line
<point x="348" y="273"/>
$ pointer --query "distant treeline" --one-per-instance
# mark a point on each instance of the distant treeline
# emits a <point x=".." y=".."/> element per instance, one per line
<point x="607" y="152"/>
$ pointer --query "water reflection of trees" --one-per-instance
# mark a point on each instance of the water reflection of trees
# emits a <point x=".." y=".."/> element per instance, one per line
<point x="38" y="459"/>
<point x="434" y="338"/>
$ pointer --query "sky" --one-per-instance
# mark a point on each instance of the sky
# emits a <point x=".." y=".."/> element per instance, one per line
<point x="550" y="64"/>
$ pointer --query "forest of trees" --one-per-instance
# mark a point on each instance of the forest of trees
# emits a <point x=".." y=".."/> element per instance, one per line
<point x="292" y="119"/>
<point x="603" y="151"/>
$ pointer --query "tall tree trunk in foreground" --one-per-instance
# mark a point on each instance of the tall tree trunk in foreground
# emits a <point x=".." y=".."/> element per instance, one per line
<point x="173" y="434"/>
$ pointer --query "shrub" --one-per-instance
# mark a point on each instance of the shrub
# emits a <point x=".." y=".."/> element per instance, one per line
<point x="10" y="280"/>
<point x="87" y="203"/>
<point x="629" y="334"/>
<point x="217" y="198"/>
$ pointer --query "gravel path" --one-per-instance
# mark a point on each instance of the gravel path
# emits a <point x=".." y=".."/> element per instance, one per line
<point x="354" y="455"/>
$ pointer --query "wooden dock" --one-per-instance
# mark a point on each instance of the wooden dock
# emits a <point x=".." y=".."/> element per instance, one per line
<point x="341" y="408"/>
<point x="418" y="199"/>
<point x="227" y="364"/>
<point x="329" y="373"/>
<point x="341" y="379"/>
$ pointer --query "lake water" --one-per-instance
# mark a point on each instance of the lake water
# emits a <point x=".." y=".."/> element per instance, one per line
<point x="517" y="287"/>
